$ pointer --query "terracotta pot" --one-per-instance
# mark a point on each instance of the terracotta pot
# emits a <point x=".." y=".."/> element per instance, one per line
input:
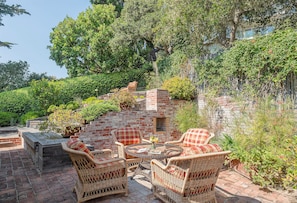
<point x="239" y="167"/>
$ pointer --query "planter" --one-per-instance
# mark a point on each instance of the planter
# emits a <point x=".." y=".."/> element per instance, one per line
<point x="70" y="130"/>
<point x="240" y="168"/>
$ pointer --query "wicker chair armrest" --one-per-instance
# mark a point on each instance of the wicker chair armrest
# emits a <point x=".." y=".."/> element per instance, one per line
<point x="211" y="135"/>
<point x="102" y="153"/>
<point x="145" y="141"/>
<point x="119" y="143"/>
<point x="174" y="142"/>
<point x="158" y="164"/>
<point x="110" y="161"/>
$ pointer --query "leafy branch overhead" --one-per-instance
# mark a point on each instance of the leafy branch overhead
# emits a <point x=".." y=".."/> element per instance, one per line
<point x="10" y="10"/>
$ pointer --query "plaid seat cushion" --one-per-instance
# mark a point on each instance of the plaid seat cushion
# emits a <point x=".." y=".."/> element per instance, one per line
<point x="207" y="148"/>
<point x="128" y="135"/>
<point x="195" y="136"/>
<point x="76" y="144"/>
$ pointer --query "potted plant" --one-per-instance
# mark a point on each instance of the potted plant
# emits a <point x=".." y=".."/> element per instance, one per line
<point x="65" y="121"/>
<point x="123" y="98"/>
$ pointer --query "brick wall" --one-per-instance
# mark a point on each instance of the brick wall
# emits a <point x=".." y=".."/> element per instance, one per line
<point x="13" y="140"/>
<point x="157" y="105"/>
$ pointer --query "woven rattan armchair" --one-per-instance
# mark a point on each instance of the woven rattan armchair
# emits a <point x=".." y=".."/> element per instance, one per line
<point x="98" y="173"/>
<point x="193" y="137"/>
<point x="126" y="136"/>
<point x="187" y="178"/>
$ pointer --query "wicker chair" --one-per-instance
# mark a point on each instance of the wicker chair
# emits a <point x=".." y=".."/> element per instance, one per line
<point x="126" y="136"/>
<point x="98" y="173"/>
<point x="187" y="178"/>
<point x="193" y="137"/>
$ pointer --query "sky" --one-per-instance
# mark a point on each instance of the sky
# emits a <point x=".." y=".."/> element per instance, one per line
<point x="31" y="33"/>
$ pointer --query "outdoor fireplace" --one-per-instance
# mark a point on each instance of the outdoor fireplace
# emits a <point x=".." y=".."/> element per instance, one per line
<point x="161" y="125"/>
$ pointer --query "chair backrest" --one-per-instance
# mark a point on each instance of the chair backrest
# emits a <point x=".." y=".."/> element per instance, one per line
<point x="81" y="161"/>
<point x="196" y="136"/>
<point x="199" y="172"/>
<point x="127" y="135"/>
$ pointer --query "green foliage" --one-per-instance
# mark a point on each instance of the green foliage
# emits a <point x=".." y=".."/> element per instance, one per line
<point x="123" y="99"/>
<point x="67" y="92"/>
<point x="187" y="117"/>
<point x="94" y="110"/>
<point x="61" y="119"/>
<point x="263" y="64"/>
<point x="29" y="116"/>
<point x="16" y="101"/>
<point x="45" y="93"/>
<point x="81" y="45"/>
<point x="72" y="105"/>
<point x="8" y="119"/>
<point x="84" y="87"/>
<point x="265" y="141"/>
<point x="13" y="75"/>
<point x="179" y="88"/>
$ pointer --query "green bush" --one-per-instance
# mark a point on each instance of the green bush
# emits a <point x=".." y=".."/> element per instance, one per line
<point x="265" y="141"/>
<point x="180" y="88"/>
<point x="29" y="116"/>
<point x="8" y="119"/>
<point x="124" y="99"/>
<point x="95" y="110"/>
<point x="187" y="117"/>
<point x="91" y="100"/>
<point x="61" y="119"/>
<point x="85" y="86"/>
<point x="72" y="105"/>
<point x="16" y="101"/>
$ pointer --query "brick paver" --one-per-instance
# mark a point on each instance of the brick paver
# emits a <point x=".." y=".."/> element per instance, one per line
<point x="21" y="182"/>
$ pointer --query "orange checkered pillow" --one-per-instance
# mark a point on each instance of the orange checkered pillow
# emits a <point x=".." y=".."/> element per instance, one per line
<point x="195" y="136"/>
<point x="128" y="135"/>
<point x="76" y="144"/>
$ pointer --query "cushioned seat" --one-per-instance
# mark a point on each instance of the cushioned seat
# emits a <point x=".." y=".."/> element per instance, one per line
<point x="126" y="136"/>
<point x="189" y="178"/>
<point x="192" y="138"/>
<point x="99" y="174"/>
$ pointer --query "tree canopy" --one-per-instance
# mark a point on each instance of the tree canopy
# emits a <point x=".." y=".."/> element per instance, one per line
<point x="102" y="41"/>
<point x="82" y="45"/>
<point x="13" y="75"/>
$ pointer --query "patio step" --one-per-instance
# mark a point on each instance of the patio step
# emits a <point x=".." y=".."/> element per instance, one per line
<point x="6" y="144"/>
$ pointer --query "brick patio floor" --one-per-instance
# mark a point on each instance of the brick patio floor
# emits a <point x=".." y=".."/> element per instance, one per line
<point x="21" y="182"/>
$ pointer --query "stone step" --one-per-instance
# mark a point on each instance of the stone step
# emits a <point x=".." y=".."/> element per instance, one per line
<point x="6" y="144"/>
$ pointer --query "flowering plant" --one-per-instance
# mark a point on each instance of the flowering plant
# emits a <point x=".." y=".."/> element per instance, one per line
<point x="154" y="139"/>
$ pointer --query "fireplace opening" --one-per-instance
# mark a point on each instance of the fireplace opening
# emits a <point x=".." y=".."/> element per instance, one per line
<point x="160" y="125"/>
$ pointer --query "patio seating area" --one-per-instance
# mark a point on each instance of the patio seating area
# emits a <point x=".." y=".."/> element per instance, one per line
<point x="21" y="182"/>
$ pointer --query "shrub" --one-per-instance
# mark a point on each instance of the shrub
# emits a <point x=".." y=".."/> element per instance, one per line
<point x="180" y="88"/>
<point x="95" y="110"/>
<point x="265" y="141"/>
<point x="16" y="101"/>
<point x="122" y="98"/>
<point x="72" y="105"/>
<point x="187" y="117"/>
<point x="91" y="100"/>
<point x="8" y="119"/>
<point x="29" y="116"/>
<point x="61" y="119"/>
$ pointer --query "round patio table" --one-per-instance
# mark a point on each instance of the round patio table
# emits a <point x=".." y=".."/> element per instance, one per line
<point x="146" y="152"/>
